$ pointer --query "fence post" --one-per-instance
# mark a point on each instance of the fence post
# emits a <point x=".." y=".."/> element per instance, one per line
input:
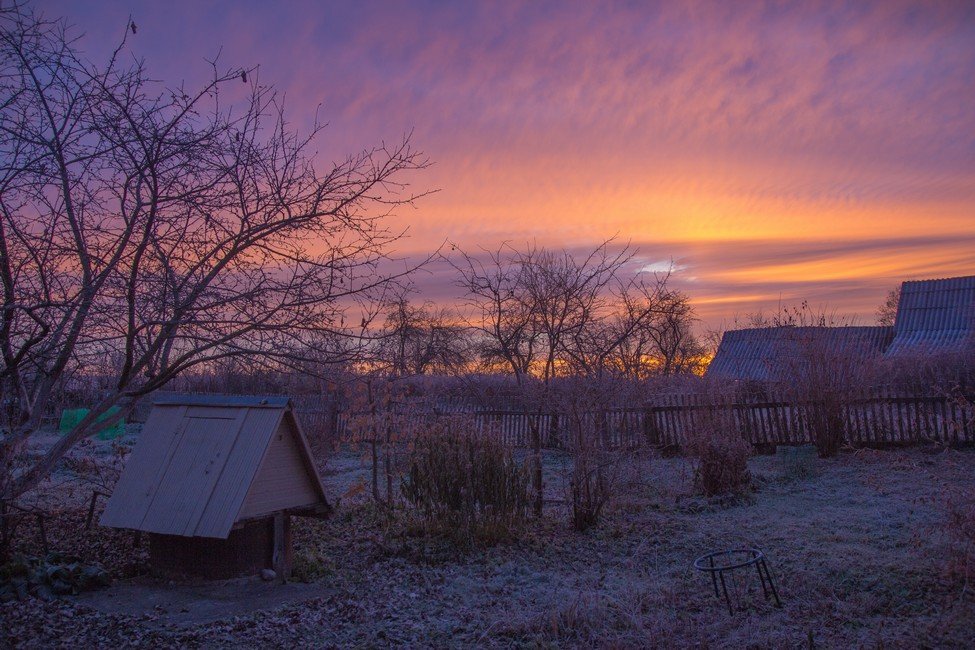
<point x="554" y="436"/>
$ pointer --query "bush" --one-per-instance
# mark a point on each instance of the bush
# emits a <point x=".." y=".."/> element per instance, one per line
<point x="590" y="491"/>
<point x="595" y="478"/>
<point x="720" y="454"/>
<point x="827" y="419"/>
<point x="466" y="484"/>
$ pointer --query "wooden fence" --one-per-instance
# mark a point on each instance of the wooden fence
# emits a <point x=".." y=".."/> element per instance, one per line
<point x="876" y="418"/>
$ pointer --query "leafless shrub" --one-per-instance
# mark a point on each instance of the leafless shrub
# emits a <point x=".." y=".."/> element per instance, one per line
<point x="826" y="379"/>
<point x="598" y="449"/>
<point x="607" y="480"/>
<point x="720" y="454"/>
<point x="827" y="423"/>
<point x="943" y="375"/>
<point x="596" y="469"/>
<point x="590" y="490"/>
<point x="466" y="484"/>
<point x="928" y="369"/>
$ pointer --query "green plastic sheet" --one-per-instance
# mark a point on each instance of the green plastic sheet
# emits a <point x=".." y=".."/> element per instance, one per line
<point x="71" y="417"/>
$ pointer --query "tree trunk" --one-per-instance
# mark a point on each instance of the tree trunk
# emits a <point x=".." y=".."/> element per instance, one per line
<point x="537" y="467"/>
<point x="375" y="471"/>
<point x="387" y="466"/>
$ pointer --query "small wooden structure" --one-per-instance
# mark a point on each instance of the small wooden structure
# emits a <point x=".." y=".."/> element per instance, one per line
<point x="214" y="480"/>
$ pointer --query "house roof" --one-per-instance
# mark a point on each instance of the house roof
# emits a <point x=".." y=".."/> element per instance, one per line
<point x="772" y="353"/>
<point x="935" y="316"/>
<point x="195" y="462"/>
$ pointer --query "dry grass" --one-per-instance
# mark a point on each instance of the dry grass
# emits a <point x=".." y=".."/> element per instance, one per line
<point x="860" y="546"/>
<point x="960" y="529"/>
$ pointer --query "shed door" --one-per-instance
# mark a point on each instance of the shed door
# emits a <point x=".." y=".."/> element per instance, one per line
<point x="198" y="455"/>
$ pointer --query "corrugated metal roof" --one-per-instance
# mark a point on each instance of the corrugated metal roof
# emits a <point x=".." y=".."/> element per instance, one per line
<point x="194" y="463"/>
<point x="772" y="353"/>
<point x="935" y="316"/>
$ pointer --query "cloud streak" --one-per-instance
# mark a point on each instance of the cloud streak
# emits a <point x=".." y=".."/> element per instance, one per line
<point x="823" y="150"/>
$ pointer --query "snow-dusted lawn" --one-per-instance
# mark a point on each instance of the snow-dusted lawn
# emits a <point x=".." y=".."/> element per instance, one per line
<point x="857" y="546"/>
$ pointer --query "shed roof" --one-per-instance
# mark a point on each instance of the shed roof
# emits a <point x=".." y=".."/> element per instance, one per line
<point x="196" y="461"/>
<point x="248" y="401"/>
<point x="771" y="353"/>
<point x="935" y="316"/>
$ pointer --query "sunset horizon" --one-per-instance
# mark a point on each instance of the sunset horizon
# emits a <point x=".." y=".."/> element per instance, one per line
<point x="767" y="154"/>
<point x="429" y="324"/>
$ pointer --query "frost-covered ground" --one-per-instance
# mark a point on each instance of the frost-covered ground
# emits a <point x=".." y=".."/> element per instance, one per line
<point x="857" y="545"/>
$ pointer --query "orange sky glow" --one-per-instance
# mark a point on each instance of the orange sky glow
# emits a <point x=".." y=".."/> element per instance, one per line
<point x="773" y="152"/>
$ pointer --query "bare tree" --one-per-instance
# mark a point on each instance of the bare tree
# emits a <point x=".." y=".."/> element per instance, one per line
<point x="145" y="231"/>
<point x="493" y="286"/>
<point x="655" y="337"/>
<point x="418" y="339"/>
<point x="413" y="340"/>
<point x="887" y="311"/>
<point x="545" y="315"/>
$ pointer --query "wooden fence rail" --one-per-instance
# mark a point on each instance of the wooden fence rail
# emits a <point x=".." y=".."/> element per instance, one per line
<point x="877" y="419"/>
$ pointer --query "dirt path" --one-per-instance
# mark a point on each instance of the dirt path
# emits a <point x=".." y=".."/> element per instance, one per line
<point x="190" y="605"/>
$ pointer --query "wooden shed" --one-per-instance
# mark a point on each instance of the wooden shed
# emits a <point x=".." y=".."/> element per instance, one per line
<point x="214" y="481"/>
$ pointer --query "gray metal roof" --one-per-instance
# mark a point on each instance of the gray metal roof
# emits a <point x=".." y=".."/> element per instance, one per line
<point x="935" y="316"/>
<point x="775" y="353"/>
<point x="195" y="464"/>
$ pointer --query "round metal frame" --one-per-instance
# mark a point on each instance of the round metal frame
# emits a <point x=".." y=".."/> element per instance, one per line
<point x="720" y="562"/>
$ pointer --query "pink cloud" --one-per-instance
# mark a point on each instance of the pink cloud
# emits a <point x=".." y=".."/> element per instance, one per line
<point x="691" y="126"/>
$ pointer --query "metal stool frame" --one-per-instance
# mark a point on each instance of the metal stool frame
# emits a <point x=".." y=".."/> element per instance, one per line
<point x="754" y="557"/>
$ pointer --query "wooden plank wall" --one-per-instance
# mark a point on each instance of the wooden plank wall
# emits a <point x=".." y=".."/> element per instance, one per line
<point x="877" y="417"/>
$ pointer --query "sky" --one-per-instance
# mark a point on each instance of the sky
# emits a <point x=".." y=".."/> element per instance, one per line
<point x="767" y="152"/>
